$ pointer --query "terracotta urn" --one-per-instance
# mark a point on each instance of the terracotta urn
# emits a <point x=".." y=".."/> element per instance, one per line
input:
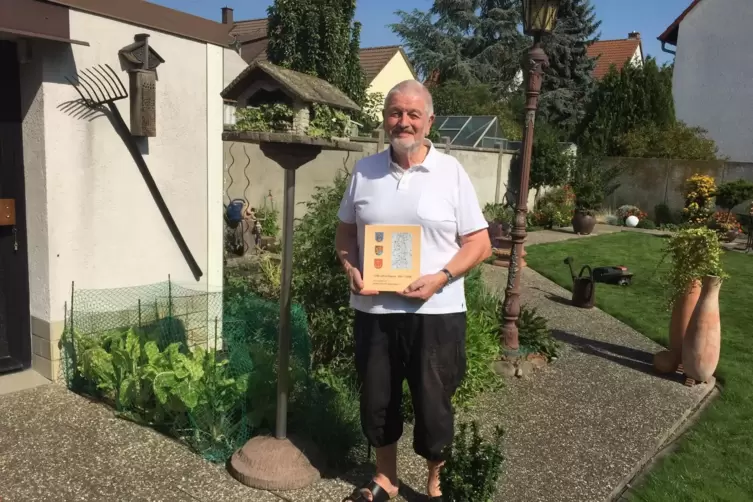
<point x="668" y="361"/>
<point x="702" y="344"/>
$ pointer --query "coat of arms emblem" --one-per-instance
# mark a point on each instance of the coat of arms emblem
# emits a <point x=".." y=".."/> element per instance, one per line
<point x="379" y="236"/>
<point x="377" y="263"/>
<point x="379" y="250"/>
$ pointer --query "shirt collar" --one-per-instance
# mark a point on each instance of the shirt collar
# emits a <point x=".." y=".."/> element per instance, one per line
<point x="428" y="163"/>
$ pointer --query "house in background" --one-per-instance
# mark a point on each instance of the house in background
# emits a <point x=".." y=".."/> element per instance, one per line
<point x="82" y="209"/>
<point x="384" y="67"/>
<point x="617" y="53"/>
<point x="713" y="75"/>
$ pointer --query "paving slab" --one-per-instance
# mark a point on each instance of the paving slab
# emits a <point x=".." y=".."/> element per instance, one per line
<point x="575" y="431"/>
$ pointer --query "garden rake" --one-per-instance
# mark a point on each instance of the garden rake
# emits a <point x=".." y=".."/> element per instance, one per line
<point x="102" y="86"/>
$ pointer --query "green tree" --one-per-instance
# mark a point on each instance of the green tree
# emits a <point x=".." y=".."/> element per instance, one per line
<point x="676" y="141"/>
<point x="568" y="80"/>
<point x="624" y="100"/>
<point x="467" y="41"/>
<point x="318" y="37"/>
<point x="551" y="161"/>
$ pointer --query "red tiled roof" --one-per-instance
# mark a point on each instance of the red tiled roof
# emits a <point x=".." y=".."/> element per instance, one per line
<point x="252" y="34"/>
<point x="612" y="52"/>
<point x="670" y="34"/>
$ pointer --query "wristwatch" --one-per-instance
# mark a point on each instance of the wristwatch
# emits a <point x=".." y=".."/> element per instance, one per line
<point x="448" y="274"/>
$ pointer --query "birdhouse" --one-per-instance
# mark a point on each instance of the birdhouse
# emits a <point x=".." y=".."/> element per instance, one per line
<point x="142" y="61"/>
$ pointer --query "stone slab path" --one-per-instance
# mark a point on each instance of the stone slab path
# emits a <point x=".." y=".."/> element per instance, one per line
<point x="576" y="431"/>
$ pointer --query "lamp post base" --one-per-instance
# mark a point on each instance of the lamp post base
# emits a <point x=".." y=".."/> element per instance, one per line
<point x="268" y="463"/>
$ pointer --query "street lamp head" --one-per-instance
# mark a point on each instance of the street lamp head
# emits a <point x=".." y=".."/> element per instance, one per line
<point x="539" y="16"/>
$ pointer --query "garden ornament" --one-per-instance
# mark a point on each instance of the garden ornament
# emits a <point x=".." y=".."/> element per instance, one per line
<point x="102" y="86"/>
<point x="584" y="288"/>
<point x="632" y="221"/>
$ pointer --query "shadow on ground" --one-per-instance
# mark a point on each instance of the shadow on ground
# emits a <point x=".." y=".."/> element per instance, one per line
<point x="639" y="360"/>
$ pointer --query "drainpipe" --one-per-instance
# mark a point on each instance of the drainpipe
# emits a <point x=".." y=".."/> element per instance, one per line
<point x="664" y="49"/>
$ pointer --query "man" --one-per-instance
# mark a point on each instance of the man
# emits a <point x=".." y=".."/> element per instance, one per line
<point x="417" y="334"/>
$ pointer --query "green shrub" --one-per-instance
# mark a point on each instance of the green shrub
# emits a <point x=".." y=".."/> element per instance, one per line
<point x="555" y="208"/>
<point x="663" y="215"/>
<point x="647" y="224"/>
<point x="473" y="466"/>
<point x="534" y="335"/>
<point x="319" y="283"/>
<point x="327" y="411"/>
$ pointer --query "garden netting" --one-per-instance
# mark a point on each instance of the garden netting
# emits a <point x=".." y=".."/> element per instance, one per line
<point x="192" y="364"/>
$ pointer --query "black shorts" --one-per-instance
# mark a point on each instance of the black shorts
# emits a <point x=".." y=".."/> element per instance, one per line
<point x="426" y="349"/>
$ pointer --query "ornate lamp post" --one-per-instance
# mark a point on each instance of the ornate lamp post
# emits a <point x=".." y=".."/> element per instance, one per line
<point x="539" y="18"/>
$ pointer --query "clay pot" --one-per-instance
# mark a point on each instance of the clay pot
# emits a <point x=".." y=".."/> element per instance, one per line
<point x="702" y="344"/>
<point x="503" y="249"/>
<point x="583" y="223"/>
<point x="667" y="361"/>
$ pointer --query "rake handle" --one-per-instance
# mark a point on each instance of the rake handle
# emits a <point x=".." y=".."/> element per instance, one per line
<point x="141" y="163"/>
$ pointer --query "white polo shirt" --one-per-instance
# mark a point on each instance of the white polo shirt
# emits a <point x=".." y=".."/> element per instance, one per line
<point x="439" y="196"/>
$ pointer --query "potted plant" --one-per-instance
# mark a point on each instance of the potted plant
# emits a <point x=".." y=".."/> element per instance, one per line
<point x="592" y="183"/>
<point x="728" y="196"/>
<point x="692" y="284"/>
<point x="498" y="218"/>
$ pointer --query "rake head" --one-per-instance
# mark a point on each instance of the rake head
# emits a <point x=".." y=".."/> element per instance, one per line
<point x="98" y="86"/>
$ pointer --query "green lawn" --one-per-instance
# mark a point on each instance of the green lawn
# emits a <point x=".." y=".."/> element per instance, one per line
<point x="715" y="460"/>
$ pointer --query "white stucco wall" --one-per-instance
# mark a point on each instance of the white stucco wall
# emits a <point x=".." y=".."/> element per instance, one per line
<point x="396" y="71"/>
<point x="713" y="76"/>
<point x="104" y="229"/>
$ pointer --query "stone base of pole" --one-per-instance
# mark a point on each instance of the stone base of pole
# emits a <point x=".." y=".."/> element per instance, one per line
<point x="268" y="463"/>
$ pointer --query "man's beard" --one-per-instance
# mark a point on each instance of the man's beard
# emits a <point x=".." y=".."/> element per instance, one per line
<point x="404" y="145"/>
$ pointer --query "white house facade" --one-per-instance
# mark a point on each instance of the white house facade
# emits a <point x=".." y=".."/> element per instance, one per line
<point x="713" y="74"/>
<point x="86" y="213"/>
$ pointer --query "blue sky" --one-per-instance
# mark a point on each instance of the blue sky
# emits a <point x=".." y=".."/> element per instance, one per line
<point x="619" y="17"/>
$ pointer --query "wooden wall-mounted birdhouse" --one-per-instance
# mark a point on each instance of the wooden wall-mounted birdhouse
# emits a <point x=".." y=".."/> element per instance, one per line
<point x="143" y="61"/>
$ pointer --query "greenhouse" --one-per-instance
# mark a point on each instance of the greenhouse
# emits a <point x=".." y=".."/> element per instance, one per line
<point x="473" y="131"/>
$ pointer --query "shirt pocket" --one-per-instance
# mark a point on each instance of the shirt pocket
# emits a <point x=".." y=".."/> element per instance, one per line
<point x="433" y="207"/>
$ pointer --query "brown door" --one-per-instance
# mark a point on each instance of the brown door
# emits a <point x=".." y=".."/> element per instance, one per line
<point x="15" y="332"/>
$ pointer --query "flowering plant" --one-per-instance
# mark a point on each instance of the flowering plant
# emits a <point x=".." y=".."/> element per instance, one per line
<point x="623" y="212"/>
<point x="699" y="192"/>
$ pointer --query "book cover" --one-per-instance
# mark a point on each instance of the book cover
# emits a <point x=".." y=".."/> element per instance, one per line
<point x="392" y="256"/>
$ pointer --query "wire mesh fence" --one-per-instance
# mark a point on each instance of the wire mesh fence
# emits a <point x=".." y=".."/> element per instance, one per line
<point x="195" y="365"/>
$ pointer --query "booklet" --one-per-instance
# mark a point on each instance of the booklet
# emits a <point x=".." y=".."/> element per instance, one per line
<point x="392" y="256"/>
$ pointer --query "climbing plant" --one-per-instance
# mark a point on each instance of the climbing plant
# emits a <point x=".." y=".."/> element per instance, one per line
<point x="320" y="38"/>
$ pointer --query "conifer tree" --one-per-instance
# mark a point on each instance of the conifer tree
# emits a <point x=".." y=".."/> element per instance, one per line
<point x="568" y="80"/>
<point x="624" y="100"/>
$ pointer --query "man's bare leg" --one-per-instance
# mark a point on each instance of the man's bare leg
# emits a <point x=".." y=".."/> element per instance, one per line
<point x="386" y="468"/>
<point x="432" y="484"/>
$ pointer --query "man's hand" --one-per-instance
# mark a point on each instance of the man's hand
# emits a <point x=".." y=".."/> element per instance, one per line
<point x="356" y="283"/>
<point x="425" y="287"/>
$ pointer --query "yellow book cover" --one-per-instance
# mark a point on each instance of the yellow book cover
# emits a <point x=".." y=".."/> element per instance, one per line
<point x="391" y="257"/>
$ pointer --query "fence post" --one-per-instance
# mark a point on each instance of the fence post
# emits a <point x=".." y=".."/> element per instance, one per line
<point x="380" y="141"/>
<point x="447" y="144"/>
<point x="139" y="313"/>
<point x="498" y="188"/>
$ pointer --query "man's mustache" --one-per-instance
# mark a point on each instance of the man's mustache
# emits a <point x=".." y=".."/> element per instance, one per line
<point x="398" y="130"/>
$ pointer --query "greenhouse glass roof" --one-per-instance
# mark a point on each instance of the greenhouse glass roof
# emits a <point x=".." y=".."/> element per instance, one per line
<point x="466" y="130"/>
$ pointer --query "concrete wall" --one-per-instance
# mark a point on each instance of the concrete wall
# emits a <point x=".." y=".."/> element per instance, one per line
<point x="713" y="74"/>
<point x="648" y="182"/>
<point x="251" y="176"/>
<point x="92" y="219"/>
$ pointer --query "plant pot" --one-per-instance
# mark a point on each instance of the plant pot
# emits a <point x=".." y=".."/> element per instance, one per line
<point x="702" y="344"/>
<point x="668" y="361"/>
<point x="496" y="230"/>
<point x="731" y="235"/>
<point x="502" y="250"/>
<point x="583" y="223"/>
